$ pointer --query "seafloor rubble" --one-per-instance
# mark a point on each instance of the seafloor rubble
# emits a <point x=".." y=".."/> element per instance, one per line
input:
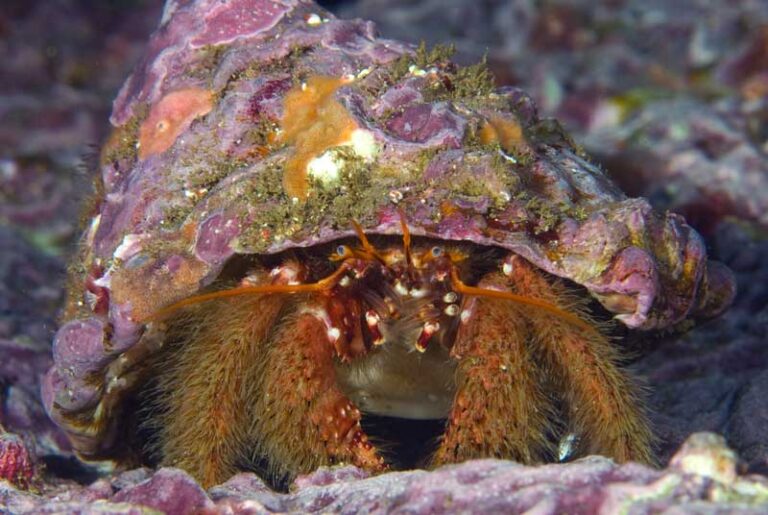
<point x="678" y="117"/>
<point x="703" y="477"/>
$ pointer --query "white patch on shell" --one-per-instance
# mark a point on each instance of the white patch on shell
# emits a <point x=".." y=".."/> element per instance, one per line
<point x="395" y="196"/>
<point x="416" y="71"/>
<point x="364" y="144"/>
<point x="195" y="194"/>
<point x="129" y="247"/>
<point x="509" y="158"/>
<point x="326" y="168"/>
<point x="92" y="228"/>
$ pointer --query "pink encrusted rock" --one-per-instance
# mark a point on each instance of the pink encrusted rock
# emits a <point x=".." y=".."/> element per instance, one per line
<point x="702" y="478"/>
<point x="16" y="465"/>
<point x="225" y="22"/>
<point x="430" y="124"/>
<point x="169" y="491"/>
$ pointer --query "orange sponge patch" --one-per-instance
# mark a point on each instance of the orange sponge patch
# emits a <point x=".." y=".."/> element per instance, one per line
<point x="170" y="117"/>
<point x="313" y="121"/>
<point x="506" y="132"/>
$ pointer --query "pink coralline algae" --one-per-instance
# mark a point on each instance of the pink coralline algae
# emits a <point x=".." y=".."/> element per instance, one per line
<point x="703" y="478"/>
<point x="16" y="465"/>
<point x="256" y="127"/>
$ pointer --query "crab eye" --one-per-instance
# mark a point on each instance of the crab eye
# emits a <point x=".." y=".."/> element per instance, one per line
<point x="342" y="250"/>
<point x="437" y="251"/>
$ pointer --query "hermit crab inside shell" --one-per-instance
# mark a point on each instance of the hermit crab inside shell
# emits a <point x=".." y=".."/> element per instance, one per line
<point x="302" y="228"/>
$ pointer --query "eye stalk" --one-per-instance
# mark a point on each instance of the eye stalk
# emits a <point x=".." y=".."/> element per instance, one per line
<point x="430" y="255"/>
<point x="341" y="253"/>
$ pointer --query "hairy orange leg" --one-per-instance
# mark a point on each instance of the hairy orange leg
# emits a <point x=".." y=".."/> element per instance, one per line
<point x="500" y="409"/>
<point x="210" y="381"/>
<point x="602" y="399"/>
<point x="302" y="420"/>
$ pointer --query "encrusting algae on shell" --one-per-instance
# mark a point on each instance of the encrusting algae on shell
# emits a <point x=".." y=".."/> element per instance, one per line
<point x="321" y="226"/>
<point x="171" y="116"/>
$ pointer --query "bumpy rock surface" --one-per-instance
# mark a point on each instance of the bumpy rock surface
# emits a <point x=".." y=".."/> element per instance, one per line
<point x="702" y="478"/>
<point x="62" y="62"/>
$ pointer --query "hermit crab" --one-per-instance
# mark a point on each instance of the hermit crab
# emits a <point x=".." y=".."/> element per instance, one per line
<point x="299" y="225"/>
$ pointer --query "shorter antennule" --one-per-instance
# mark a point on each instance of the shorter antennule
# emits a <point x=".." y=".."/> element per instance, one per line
<point x="406" y="237"/>
<point x="368" y="248"/>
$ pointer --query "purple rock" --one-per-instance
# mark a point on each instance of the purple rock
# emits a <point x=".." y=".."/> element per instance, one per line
<point x="432" y="124"/>
<point x="703" y="475"/>
<point x="169" y="490"/>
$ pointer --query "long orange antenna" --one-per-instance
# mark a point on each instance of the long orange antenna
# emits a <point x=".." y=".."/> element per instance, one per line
<point x="474" y="291"/>
<point x="261" y="289"/>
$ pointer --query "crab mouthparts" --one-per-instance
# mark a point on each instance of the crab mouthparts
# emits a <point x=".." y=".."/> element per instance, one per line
<point x="409" y="316"/>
